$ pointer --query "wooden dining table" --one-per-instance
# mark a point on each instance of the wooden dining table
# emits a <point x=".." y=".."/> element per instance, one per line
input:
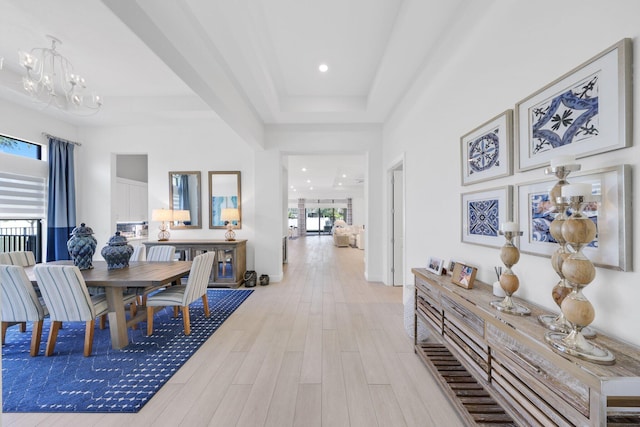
<point x="141" y="275"/>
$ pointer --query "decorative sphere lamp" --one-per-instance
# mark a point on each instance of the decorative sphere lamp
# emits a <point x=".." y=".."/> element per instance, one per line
<point x="560" y="167"/>
<point x="162" y="215"/>
<point x="509" y="282"/>
<point x="578" y="231"/>
<point x="229" y="216"/>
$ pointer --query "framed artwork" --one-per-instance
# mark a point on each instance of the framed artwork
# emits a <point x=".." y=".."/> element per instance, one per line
<point x="612" y="247"/>
<point x="464" y="275"/>
<point x="483" y="212"/>
<point x="451" y="266"/>
<point x="587" y="111"/>
<point x="486" y="150"/>
<point x="435" y="265"/>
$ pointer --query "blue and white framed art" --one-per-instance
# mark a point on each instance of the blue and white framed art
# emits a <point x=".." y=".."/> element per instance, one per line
<point x="486" y="150"/>
<point x="585" y="112"/>
<point x="612" y="247"/>
<point x="482" y="214"/>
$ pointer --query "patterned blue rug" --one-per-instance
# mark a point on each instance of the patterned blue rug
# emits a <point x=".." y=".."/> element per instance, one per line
<point x="109" y="380"/>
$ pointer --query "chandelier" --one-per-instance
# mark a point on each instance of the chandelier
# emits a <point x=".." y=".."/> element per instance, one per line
<point x="51" y="79"/>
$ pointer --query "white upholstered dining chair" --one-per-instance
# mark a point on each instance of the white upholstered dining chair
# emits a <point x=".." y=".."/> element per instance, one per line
<point x="67" y="298"/>
<point x="22" y="258"/>
<point x="139" y="253"/>
<point x="183" y="295"/>
<point x="20" y="304"/>
<point x="161" y="253"/>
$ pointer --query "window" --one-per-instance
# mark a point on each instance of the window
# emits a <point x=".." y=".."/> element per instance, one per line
<point x="20" y="148"/>
<point x="23" y="196"/>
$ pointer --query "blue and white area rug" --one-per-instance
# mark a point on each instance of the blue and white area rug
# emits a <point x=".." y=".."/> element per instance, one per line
<point x="109" y="380"/>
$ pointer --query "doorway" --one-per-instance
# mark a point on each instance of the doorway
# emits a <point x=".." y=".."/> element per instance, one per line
<point x="396" y="273"/>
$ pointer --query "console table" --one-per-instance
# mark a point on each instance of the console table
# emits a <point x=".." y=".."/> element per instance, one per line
<point x="230" y="261"/>
<point x="508" y="356"/>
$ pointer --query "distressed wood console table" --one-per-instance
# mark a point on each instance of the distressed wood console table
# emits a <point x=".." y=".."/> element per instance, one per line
<point x="508" y="355"/>
<point x="230" y="262"/>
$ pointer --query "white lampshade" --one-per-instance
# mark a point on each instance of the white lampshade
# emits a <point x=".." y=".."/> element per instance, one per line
<point x="181" y="215"/>
<point x="230" y="214"/>
<point x="162" y="215"/>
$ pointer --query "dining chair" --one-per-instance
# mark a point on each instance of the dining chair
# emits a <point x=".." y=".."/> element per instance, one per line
<point x="183" y="295"/>
<point x="4" y="258"/>
<point x="157" y="254"/>
<point x="161" y="253"/>
<point x="22" y="258"/>
<point x="67" y="298"/>
<point x="20" y="304"/>
<point x="138" y="253"/>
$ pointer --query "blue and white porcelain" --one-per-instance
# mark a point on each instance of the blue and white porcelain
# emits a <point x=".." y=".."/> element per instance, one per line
<point x="81" y="246"/>
<point x="117" y="252"/>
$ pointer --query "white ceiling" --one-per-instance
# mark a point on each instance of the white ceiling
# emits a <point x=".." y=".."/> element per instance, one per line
<point x="249" y="63"/>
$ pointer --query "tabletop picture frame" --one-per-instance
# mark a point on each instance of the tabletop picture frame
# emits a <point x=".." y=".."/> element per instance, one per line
<point x="486" y="150"/>
<point x="587" y="111"/>
<point x="464" y="275"/>
<point x="482" y="213"/>
<point x="435" y="265"/>
<point x="612" y="247"/>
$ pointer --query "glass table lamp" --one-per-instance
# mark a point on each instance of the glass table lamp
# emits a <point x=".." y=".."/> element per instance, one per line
<point x="230" y="216"/>
<point x="164" y="216"/>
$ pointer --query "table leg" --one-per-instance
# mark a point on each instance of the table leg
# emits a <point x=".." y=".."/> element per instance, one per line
<point x="117" y="317"/>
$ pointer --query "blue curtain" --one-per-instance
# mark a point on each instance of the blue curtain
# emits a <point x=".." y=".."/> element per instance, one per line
<point x="183" y="191"/>
<point x="61" y="214"/>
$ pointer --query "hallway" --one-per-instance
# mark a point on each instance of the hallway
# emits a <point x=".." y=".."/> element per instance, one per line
<point x="321" y="348"/>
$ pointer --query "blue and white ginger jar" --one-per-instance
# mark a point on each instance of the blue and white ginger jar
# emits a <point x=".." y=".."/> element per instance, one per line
<point x="117" y="252"/>
<point x="81" y="246"/>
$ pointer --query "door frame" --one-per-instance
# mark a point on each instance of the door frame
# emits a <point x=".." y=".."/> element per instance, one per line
<point x="398" y="165"/>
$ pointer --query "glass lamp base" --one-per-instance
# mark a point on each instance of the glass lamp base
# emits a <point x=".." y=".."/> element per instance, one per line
<point x="559" y="324"/>
<point x="508" y="306"/>
<point x="576" y="345"/>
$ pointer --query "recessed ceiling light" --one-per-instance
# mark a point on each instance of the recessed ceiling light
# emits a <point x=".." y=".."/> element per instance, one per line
<point x="310" y="188"/>
<point x="308" y="181"/>
<point x="344" y="175"/>
<point x="304" y="169"/>
<point x="339" y="183"/>
<point x="323" y="68"/>
<point x="292" y="187"/>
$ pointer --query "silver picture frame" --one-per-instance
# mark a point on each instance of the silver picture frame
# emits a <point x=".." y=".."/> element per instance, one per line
<point x="483" y="212"/>
<point x="486" y="151"/>
<point x="587" y="111"/>
<point x="612" y="248"/>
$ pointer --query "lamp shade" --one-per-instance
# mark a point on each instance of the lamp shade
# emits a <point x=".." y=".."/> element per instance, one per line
<point x="230" y="214"/>
<point x="181" y="215"/>
<point x="162" y="215"/>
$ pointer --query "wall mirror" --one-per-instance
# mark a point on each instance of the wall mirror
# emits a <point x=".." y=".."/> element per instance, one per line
<point x="184" y="196"/>
<point x="224" y="193"/>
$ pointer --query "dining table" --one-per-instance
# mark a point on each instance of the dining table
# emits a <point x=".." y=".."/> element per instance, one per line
<point x="142" y="276"/>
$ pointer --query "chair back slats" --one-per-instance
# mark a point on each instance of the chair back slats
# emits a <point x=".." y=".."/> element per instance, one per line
<point x="65" y="293"/>
<point x="198" y="277"/>
<point x="138" y="253"/>
<point x="161" y="253"/>
<point x="20" y="302"/>
<point x="22" y="258"/>
<point x="4" y="258"/>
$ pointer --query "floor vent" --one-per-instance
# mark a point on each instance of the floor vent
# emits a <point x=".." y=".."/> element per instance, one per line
<point x="475" y="402"/>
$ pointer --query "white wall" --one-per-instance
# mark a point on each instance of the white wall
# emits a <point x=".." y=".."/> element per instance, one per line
<point x="194" y="146"/>
<point x="509" y="49"/>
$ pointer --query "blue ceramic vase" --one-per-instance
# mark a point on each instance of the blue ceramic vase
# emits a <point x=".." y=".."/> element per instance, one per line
<point x="81" y="246"/>
<point x="117" y="252"/>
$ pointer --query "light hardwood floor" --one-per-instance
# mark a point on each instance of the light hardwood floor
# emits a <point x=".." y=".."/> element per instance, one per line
<point x="323" y="347"/>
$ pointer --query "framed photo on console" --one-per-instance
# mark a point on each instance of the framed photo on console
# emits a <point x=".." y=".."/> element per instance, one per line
<point x="612" y="247"/>
<point x="483" y="212"/>
<point x="486" y="150"/>
<point x="464" y="275"/>
<point x="587" y="111"/>
<point x="435" y="265"/>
